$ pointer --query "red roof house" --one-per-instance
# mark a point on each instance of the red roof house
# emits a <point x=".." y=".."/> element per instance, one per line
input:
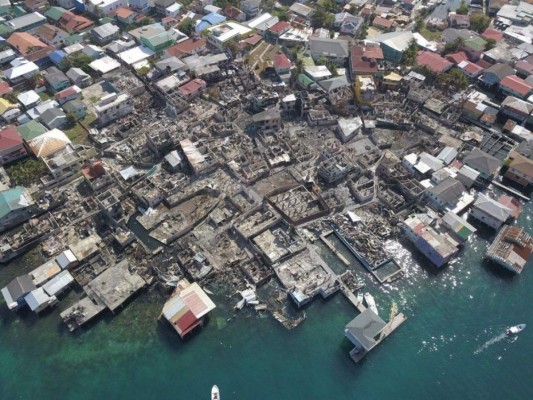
<point x="524" y="68"/>
<point x="93" y="171"/>
<point x="74" y="23"/>
<point x="470" y="69"/>
<point x="11" y="146"/>
<point x="5" y="88"/>
<point x="281" y="63"/>
<point x="494" y="34"/>
<point x="458" y="57"/>
<point x="433" y="61"/>
<point x="512" y="85"/>
<point x="251" y="41"/>
<point x="193" y="88"/>
<point x="233" y="13"/>
<point x="365" y="59"/>
<point x="187" y="47"/>
<point x="279" y="28"/>
<point x="383" y="23"/>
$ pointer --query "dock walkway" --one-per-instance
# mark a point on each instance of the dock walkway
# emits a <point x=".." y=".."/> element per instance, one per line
<point x="352" y="298"/>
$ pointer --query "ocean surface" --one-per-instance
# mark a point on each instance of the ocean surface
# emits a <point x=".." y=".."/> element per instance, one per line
<point x="453" y="345"/>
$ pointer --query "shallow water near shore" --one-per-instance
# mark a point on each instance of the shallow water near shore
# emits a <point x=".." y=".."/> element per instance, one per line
<point x="450" y="347"/>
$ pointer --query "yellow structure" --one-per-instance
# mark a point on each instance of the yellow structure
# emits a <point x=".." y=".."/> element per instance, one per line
<point x="365" y="89"/>
<point x="5" y="105"/>
<point x="392" y="81"/>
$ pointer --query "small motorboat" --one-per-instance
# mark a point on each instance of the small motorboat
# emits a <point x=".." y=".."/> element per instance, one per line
<point x="215" y="394"/>
<point x="513" y="330"/>
<point x="370" y="302"/>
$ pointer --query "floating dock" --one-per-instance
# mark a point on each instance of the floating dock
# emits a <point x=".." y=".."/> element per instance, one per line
<point x="361" y="333"/>
<point x="81" y="313"/>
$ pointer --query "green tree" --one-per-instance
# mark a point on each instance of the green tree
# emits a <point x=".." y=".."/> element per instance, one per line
<point x="79" y="60"/>
<point x="299" y="63"/>
<point x="282" y="14"/>
<point x="72" y="119"/>
<point x="454" y="46"/>
<point x="327" y="5"/>
<point x="27" y="172"/>
<point x="11" y="97"/>
<point x="233" y="46"/>
<point x="454" y="78"/>
<point x="491" y="43"/>
<point x="187" y="26"/>
<point x="364" y="31"/>
<point x="143" y="70"/>
<point x="322" y="61"/>
<point x="322" y="19"/>
<point x="479" y="22"/>
<point x="463" y="8"/>
<point x="419" y="24"/>
<point x="409" y="55"/>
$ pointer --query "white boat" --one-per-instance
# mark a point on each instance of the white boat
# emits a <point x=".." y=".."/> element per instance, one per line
<point x="359" y="297"/>
<point x="215" y="394"/>
<point x="371" y="303"/>
<point x="513" y="330"/>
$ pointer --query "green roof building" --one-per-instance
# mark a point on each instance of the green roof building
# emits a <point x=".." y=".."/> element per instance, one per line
<point x="55" y="13"/>
<point x="476" y="44"/>
<point x="5" y="30"/>
<point x="15" y="207"/>
<point x="306" y="82"/>
<point x="30" y="130"/>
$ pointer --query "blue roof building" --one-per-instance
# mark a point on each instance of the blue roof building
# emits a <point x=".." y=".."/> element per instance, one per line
<point x="209" y="20"/>
<point x="58" y="58"/>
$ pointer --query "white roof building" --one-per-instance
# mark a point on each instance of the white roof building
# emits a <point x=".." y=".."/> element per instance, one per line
<point x="49" y="142"/>
<point x="66" y="259"/>
<point x="38" y="300"/>
<point x="28" y="98"/>
<point x="59" y="283"/>
<point x="135" y="55"/>
<point x="21" y="69"/>
<point x="104" y="65"/>
<point x="45" y="272"/>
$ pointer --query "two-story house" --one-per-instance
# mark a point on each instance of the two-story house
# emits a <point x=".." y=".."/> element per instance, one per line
<point x="79" y="78"/>
<point x="520" y="171"/>
<point x="512" y="85"/>
<point x="334" y="50"/>
<point x="282" y="66"/>
<point x="193" y="88"/>
<point x="51" y="35"/>
<point x="495" y="73"/>
<point x="113" y="106"/>
<point x="490" y="212"/>
<point x="446" y="194"/>
<point x="55" y="79"/>
<point x="16" y="206"/>
<point x="484" y="163"/>
<point x="11" y="145"/>
<point x="105" y="33"/>
<point x="267" y="121"/>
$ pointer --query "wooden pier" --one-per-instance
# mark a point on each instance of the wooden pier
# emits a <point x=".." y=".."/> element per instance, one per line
<point x="352" y="298"/>
<point x="358" y="353"/>
<point x="510" y="190"/>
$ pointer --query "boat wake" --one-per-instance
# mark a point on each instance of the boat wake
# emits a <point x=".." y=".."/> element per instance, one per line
<point x="490" y="342"/>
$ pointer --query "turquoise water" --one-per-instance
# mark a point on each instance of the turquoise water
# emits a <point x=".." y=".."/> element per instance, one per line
<point x="451" y="347"/>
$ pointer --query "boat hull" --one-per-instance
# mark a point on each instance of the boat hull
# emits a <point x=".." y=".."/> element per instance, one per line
<point x="513" y="330"/>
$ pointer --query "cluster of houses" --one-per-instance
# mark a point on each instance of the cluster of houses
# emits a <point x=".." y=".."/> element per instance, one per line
<point x="324" y="98"/>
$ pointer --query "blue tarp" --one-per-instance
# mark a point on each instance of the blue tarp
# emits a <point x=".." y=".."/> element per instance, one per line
<point x="209" y="20"/>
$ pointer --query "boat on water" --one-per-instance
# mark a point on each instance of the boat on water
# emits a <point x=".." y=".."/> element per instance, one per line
<point x="369" y="299"/>
<point x="359" y="297"/>
<point x="513" y="330"/>
<point x="215" y="394"/>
